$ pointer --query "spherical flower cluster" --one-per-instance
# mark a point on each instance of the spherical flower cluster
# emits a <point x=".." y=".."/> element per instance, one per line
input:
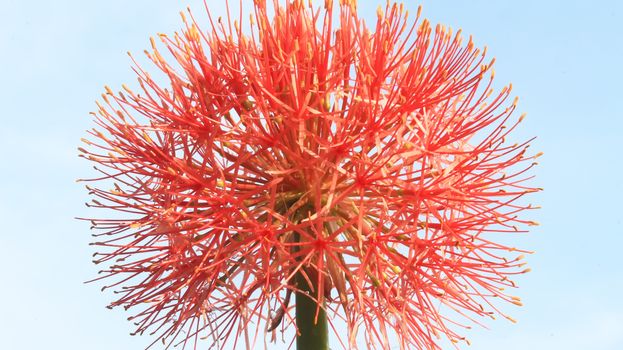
<point x="366" y="167"/>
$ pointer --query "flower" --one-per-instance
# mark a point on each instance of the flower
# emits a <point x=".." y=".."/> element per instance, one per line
<point x="372" y="163"/>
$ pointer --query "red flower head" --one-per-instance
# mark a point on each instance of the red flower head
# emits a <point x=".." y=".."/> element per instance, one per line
<point x="368" y="168"/>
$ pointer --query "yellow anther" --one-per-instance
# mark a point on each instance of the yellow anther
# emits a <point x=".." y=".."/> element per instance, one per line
<point x="521" y="117"/>
<point x="511" y="319"/>
<point x="328" y="5"/>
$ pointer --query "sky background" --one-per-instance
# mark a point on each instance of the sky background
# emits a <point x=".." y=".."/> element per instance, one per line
<point x="564" y="59"/>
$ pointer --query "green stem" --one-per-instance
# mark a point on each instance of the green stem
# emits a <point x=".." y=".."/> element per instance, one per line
<point x="313" y="334"/>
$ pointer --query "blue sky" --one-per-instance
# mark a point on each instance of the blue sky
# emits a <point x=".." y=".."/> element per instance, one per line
<point x="563" y="58"/>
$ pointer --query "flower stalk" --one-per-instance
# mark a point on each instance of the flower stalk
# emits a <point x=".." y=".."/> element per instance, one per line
<point x="312" y="330"/>
<point x="311" y="319"/>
